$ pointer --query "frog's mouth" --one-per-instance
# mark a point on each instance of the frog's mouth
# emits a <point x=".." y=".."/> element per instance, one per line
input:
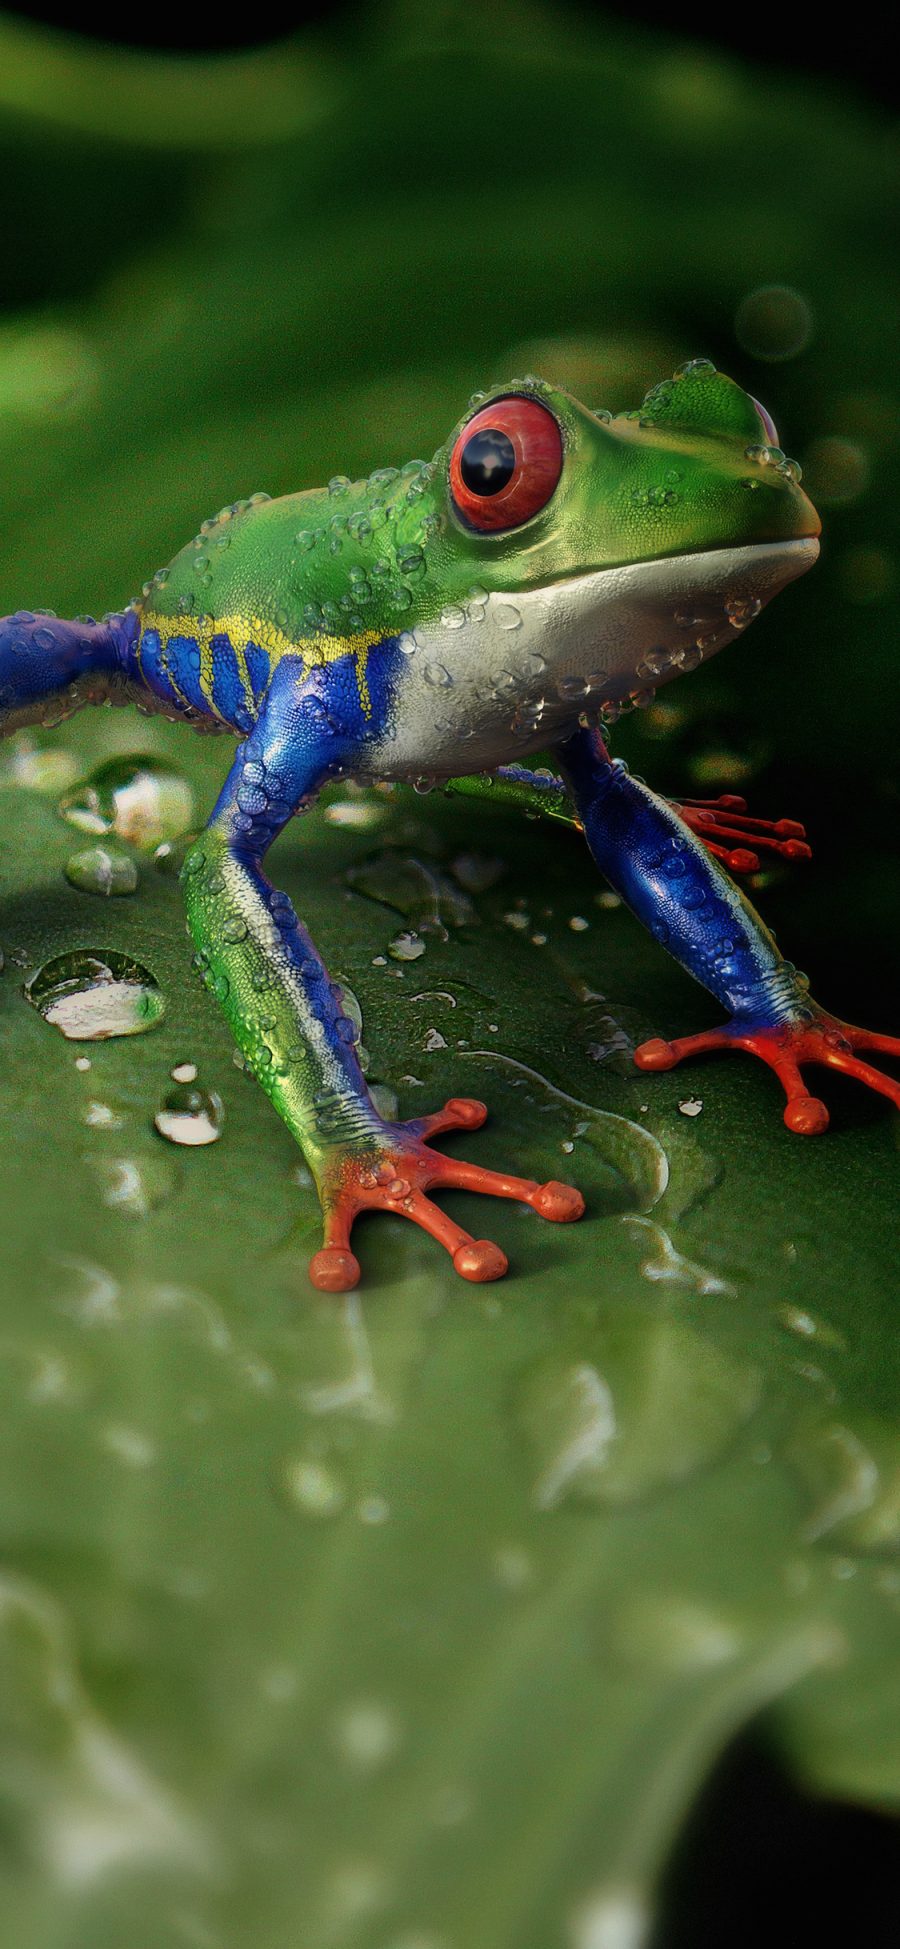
<point x="619" y="631"/>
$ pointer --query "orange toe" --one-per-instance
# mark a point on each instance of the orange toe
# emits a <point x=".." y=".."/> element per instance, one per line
<point x="467" y="1111"/>
<point x="334" y="1270"/>
<point x="559" y="1202"/>
<point x="807" y="1116"/>
<point x="480" y="1261"/>
<point x="655" y="1055"/>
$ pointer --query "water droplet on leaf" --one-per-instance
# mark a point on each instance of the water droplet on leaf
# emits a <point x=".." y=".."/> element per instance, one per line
<point x="90" y="995"/>
<point x="190" y="1116"/>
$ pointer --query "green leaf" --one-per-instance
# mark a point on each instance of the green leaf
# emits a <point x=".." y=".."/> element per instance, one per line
<point x="416" y="1620"/>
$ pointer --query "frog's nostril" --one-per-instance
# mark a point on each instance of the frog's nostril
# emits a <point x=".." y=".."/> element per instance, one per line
<point x="769" y="427"/>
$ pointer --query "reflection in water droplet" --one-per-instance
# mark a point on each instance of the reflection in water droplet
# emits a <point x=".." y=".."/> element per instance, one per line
<point x="142" y="799"/>
<point x="670" y="1632"/>
<point x="99" y="870"/>
<point x="366" y="1733"/>
<point x="129" y="1445"/>
<point x="82" y="1797"/>
<point x="626" y="1148"/>
<point x="91" y="995"/>
<point x="427" y="898"/>
<point x="311" y="1487"/>
<point x="611" y="1918"/>
<point x="103" y="1116"/>
<point x="852" y="1474"/>
<point x="184" y="1072"/>
<point x="26" y="765"/>
<point x="406" y="947"/>
<point x="190" y="1116"/>
<point x="134" y="1185"/>
<point x="650" y="1402"/>
<point x="664" y="1263"/>
<point x="808" y="1327"/>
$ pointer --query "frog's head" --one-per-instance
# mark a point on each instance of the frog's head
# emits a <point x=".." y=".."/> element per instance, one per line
<point x="614" y="552"/>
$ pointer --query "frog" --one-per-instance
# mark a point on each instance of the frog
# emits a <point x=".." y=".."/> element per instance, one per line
<point x="450" y="621"/>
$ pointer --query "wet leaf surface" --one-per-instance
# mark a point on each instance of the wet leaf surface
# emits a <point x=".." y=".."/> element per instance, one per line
<point x="416" y="1620"/>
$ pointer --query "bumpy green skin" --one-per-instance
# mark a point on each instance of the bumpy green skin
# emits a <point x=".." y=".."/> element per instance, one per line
<point x="326" y="570"/>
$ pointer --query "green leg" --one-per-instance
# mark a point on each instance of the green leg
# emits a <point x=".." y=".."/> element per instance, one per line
<point x="287" y="1019"/>
<point x="540" y="793"/>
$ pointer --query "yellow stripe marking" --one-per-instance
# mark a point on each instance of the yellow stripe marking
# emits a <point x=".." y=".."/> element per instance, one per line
<point x="243" y="630"/>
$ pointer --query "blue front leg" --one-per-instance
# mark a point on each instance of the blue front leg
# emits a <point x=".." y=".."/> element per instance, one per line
<point x="667" y="877"/>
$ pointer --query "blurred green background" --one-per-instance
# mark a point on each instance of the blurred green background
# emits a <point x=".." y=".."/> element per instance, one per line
<point x="299" y="1646"/>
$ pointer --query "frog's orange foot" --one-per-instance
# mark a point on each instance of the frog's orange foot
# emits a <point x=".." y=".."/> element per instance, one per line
<point x="821" y="1039"/>
<point x="396" y="1173"/>
<point x="726" y="819"/>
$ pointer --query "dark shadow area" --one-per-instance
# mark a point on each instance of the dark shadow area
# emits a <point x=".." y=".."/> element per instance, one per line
<point x="760" y="1862"/>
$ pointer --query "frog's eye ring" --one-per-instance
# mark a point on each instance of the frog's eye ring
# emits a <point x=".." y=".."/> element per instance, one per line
<point x="769" y="427"/>
<point x="506" y="464"/>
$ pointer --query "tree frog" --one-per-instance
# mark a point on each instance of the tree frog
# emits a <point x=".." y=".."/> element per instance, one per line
<point x="456" y="618"/>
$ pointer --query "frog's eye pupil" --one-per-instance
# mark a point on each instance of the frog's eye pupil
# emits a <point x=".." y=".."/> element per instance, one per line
<point x="487" y="461"/>
<point x="506" y="464"/>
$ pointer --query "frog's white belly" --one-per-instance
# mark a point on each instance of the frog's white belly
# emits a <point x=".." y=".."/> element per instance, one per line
<point x="504" y="676"/>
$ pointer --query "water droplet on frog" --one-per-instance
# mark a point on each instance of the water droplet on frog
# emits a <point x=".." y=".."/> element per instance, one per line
<point x="571" y="689"/>
<point x="90" y="995"/>
<point x="506" y="617"/>
<point x="436" y="675"/>
<point x="308" y="1485"/>
<point x="142" y="799"/>
<point x="452" y="617"/>
<point x="741" y="610"/>
<point x="190" y="1116"/>
<point x="100" y="870"/>
<point x="407" y="644"/>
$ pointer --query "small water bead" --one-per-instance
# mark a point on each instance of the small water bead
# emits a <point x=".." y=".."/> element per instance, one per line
<point x="437" y="676"/>
<point x="695" y="369"/>
<point x="741" y="610"/>
<point x="310" y="1486"/>
<point x="92" y="995"/>
<point x="142" y="799"/>
<point x="190" y="1116"/>
<point x="572" y="689"/>
<point x="103" y="1116"/>
<point x="453" y="617"/>
<point x="99" y="870"/>
<point x="406" y="946"/>
<point x="506" y="617"/>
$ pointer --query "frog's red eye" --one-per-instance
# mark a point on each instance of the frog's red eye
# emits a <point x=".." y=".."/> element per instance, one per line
<point x="769" y="427"/>
<point x="505" y="464"/>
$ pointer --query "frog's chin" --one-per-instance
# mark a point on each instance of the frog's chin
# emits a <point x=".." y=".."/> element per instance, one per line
<point x="623" y="631"/>
<point x="511" y="674"/>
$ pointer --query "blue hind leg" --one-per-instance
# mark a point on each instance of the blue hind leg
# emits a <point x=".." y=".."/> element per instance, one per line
<point x="49" y="668"/>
